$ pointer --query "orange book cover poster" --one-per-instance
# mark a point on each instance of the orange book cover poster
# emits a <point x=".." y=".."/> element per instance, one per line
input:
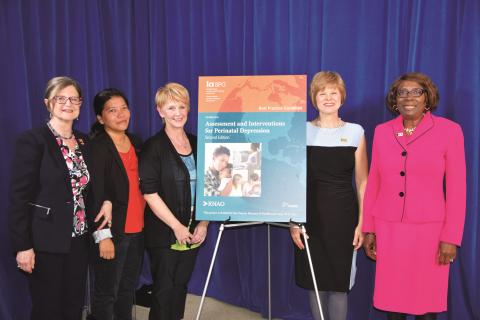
<point x="251" y="162"/>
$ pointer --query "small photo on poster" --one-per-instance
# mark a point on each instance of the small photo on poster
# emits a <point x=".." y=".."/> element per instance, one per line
<point x="233" y="169"/>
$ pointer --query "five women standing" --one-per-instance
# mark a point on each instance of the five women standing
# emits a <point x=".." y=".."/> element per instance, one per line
<point x="404" y="203"/>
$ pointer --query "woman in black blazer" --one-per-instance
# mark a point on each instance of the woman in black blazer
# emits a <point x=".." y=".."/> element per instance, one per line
<point x="167" y="180"/>
<point x="49" y="227"/>
<point x="118" y="253"/>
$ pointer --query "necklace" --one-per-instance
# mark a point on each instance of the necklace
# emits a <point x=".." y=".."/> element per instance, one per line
<point x="409" y="130"/>
<point x="413" y="129"/>
<point x="125" y="137"/>
<point x="129" y="154"/>
<point x="183" y="145"/>
<point x="55" y="132"/>
<point x="329" y="133"/>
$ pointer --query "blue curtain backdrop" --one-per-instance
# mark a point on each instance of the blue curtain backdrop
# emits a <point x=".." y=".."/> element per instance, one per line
<point x="138" y="46"/>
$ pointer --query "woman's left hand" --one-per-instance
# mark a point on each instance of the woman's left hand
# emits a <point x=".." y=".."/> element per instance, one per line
<point x="106" y="212"/>
<point x="200" y="232"/>
<point x="358" y="238"/>
<point x="447" y="252"/>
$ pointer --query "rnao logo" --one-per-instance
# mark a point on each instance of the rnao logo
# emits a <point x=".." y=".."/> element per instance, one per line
<point x="213" y="203"/>
<point x="215" y="84"/>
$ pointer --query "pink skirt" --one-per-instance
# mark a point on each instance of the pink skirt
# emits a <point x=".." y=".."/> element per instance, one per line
<point x="408" y="278"/>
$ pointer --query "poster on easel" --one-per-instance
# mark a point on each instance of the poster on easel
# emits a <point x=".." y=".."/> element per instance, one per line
<point x="251" y="161"/>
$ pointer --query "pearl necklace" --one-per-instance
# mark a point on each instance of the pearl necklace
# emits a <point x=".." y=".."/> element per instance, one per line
<point x="413" y="129"/>
<point x="329" y="133"/>
<point x="409" y="130"/>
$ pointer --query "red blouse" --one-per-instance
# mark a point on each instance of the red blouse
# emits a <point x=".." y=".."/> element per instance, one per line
<point x="136" y="202"/>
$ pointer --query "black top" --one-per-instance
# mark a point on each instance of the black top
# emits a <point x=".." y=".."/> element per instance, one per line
<point x="157" y="168"/>
<point x="111" y="180"/>
<point x="41" y="202"/>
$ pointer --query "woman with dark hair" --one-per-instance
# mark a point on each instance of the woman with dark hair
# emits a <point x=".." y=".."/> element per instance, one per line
<point x="167" y="180"/>
<point x="118" y="253"/>
<point x="49" y="226"/>
<point x="412" y="226"/>
<point x="221" y="155"/>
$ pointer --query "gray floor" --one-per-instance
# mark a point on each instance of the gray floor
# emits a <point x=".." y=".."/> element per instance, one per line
<point x="212" y="310"/>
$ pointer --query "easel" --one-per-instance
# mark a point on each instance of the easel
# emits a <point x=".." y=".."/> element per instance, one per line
<point x="227" y="224"/>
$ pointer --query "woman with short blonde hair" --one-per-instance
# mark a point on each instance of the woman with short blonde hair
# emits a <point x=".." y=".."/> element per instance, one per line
<point x="336" y="152"/>
<point x="167" y="180"/>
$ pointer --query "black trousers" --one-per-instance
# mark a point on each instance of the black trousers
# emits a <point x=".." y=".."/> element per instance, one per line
<point x="57" y="282"/>
<point x="117" y="279"/>
<point x="171" y="270"/>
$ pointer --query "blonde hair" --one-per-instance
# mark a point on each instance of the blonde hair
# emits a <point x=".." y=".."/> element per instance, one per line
<point x="323" y="80"/>
<point x="235" y="179"/>
<point x="57" y="84"/>
<point x="172" y="92"/>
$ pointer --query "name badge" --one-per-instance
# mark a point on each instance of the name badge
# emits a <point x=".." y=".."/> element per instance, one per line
<point x="344" y="140"/>
<point x="400" y="134"/>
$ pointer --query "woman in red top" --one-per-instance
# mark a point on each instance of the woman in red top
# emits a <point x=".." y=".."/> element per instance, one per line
<point x="118" y="253"/>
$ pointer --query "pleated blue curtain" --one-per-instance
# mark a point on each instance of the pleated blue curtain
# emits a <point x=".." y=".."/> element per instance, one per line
<point x="139" y="46"/>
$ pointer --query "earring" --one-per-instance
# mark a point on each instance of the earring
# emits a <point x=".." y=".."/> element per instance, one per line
<point x="77" y="118"/>
<point x="394" y="107"/>
<point x="427" y="109"/>
<point x="50" y="116"/>
<point x="163" y="120"/>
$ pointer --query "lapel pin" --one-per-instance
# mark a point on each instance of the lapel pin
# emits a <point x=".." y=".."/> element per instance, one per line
<point x="344" y="140"/>
<point x="81" y="141"/>
<point x="400" y="134"/>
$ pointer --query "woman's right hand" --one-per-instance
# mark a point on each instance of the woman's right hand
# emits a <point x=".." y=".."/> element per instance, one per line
<point x="106" y="213"/>
<point x="182" y="234"/>
<point x="296" y="236"/>
<point x="107" y="249"/>
<point x="370" y="246"/>
<point x="26" y="260"/>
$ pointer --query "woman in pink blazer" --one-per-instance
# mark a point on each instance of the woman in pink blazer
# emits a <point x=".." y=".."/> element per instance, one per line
<point x="412" y="226"/>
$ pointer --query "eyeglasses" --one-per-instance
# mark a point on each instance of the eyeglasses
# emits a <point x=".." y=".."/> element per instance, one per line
<point x="415" y="93"/>
<point x="63" y="100"/>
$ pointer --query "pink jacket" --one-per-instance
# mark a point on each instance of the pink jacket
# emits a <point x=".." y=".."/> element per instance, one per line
<point x="407" y="174"/>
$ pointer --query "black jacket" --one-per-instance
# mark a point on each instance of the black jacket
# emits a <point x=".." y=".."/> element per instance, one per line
<point x="40" y="212"/>
<point x="111" y="180"/>
<point x="157" y="176"/>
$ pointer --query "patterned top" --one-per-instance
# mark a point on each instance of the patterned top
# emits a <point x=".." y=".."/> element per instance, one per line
<point x="192" y="170"/>
<point x="211" y="184"/>
<point x="79" y="178"/>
